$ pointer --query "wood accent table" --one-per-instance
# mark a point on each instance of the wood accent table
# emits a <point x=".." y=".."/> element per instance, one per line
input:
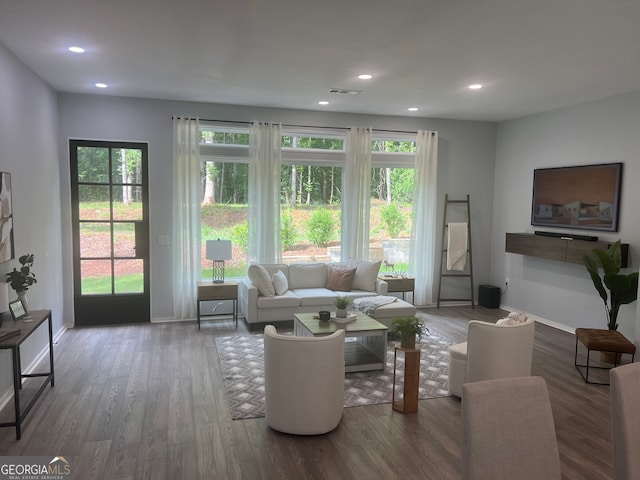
<point x="367" y="352"/>
<point x="208" y="291"/>
<point x="409" y="401"/>
<point x="400" y="284"/>
<point x="27" y="326"/>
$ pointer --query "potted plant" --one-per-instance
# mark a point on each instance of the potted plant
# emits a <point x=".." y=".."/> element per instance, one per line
<point x="615" y="288"/>
<point x="341" y="304"/>
<point x="21" y="280"/>
<point x="408" y="328"/>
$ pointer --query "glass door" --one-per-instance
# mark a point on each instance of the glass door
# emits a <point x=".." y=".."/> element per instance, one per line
<point x="109" y="209"/>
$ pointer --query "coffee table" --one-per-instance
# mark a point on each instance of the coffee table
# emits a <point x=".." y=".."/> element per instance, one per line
<point x="365" y="345"/>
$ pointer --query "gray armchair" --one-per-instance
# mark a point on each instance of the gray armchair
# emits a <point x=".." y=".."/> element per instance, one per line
<point x="508" y="431"/>
<point x="625" y="420"/>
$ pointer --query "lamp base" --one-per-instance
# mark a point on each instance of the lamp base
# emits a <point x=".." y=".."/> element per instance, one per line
<point x="218" y="271"/>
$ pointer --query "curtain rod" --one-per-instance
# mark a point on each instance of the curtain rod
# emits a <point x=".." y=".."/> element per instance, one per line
<point x="238" y="122"/>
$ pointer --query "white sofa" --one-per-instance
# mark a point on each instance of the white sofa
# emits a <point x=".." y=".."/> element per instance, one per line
<point x="306" y="290"/>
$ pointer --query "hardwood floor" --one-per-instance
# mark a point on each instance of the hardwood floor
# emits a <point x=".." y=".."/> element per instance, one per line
<point x="138" y="402"/>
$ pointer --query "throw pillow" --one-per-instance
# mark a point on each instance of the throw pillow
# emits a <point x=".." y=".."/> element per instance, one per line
<point x="366" y="275"/>
<point x="261" y="279"/>
<point x="340" y="279"/>
<point x="280" y="282"/>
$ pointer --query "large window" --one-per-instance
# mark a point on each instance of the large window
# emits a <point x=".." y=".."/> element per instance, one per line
<point x="311" y="195"/>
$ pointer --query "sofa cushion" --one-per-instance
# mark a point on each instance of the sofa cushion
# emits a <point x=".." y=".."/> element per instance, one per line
<point x="261" y="279"/>
<point x="366" y="275"/>
<point x="315" y="296"/>
<point x="307" y="275"/>
<point x="280" y="282"/>
<point x="287" y="300"/>
<point x="340" y="279"/>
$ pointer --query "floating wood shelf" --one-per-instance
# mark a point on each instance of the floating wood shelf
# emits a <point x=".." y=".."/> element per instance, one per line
<point x="555" y="248"/>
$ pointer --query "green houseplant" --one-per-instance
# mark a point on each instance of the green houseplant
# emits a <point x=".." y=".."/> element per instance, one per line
<point x="21" y="280"/>
<point x="615" y="288"/>
<point x="408" y="328"/>
<point x="341" y="304"/>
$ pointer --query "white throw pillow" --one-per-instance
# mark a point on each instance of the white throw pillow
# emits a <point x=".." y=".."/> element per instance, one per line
<point x="366" y="275"/>
<point x="261" y="279"/>
<point x="280" y="282"/>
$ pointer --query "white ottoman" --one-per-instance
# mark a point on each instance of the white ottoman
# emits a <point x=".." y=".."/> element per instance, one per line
<point x="399" y="308"/>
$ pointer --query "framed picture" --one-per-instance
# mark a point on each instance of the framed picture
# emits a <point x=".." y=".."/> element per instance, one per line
<point x="583" y="197"/>
<point x="6" y="218"/>
<point x="17" y="309"/>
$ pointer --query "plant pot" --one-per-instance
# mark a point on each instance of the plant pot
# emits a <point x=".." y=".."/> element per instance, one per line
<point x="341" y="313"/>
<point x="408" y="341"/>
<point x="611" y="357"/>
<point x="23" y="297"/>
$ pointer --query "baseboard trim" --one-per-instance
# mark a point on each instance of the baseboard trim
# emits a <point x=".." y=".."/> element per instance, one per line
<point x="544" y="321"/>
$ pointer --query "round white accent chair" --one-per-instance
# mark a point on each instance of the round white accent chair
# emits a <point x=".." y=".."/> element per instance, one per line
<point x="491" y="352"/>
<point x="304" y="382"/>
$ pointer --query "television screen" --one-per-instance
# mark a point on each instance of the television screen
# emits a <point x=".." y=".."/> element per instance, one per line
<point x="584" y="197"/>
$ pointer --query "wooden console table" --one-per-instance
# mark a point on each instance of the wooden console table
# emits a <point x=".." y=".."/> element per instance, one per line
<point x="27" y="326"/>
<point x="400" y="284"/>
<point x="409" y="401"/>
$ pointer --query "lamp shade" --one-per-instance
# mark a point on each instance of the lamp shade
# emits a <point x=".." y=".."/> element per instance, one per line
<point x="219" y="249"/>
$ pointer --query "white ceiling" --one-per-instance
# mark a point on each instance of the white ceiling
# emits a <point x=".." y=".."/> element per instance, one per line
<point x="531" y="56"/>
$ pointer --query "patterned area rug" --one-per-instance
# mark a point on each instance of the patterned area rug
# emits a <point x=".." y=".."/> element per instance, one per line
<point x="242" y="363"/>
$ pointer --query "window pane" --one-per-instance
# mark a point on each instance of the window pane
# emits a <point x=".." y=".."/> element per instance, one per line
<point x="127" y="166"/>
<point x="128" y="276"/>
<point x="312" y="143"/>
<point x="93" y="165"/>
<point x="210" y="137"/>
<point x="224" y="213"/>
<point x="127" y="202"/>
<point x="95" y="240"/>
<point x="393" y="146"/>
<point x="95" y="277"/>
<point x="124" y="239"/>
<point x="310" y="213"/>
<point x="94" y="202"/>
<point x="390" y="218"/>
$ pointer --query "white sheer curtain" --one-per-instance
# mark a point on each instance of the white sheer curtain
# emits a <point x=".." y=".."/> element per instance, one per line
<point x="423" y="231"/>
<point x="265" y="141"/>
<point x="356" y="195"/>
<point x="186" y="215"/>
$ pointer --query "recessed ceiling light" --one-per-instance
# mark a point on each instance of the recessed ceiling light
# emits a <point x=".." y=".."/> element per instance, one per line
<point x="413" y="109"/>
<point x="475" y="86"/>
<point x="365" y="76"/>
<point x="101" y="85"/>
<point x="76" y="49"/>
<point x="323" y="102"/>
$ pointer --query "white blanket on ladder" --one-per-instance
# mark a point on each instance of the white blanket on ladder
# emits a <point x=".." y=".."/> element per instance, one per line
<point x="457" y="246"/>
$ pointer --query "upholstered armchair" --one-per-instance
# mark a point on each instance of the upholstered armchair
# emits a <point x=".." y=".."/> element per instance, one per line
<point x="304" y="382"/>
<point x="491" y="352"/>
<point x="625" y="417"/>
<point x="508" y="431"/>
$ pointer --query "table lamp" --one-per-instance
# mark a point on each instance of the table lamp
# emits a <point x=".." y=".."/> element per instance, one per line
<point x="218" y="251"/>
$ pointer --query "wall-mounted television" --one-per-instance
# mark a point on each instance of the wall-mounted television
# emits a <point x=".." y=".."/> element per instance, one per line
<point x="585" y="197"/>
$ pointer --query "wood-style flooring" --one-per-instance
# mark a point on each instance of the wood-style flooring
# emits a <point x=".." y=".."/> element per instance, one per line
<point x="147" y="402"/>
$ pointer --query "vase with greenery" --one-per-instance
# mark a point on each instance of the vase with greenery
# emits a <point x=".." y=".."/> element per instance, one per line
<point x="615" y="288"/>
<point x="20" y="280"/>
<point x="341" y="305"/>
<point x="408" y="328"/>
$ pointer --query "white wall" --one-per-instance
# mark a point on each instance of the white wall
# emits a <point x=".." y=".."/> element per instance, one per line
<point x="596" y="132"/>
<point x="28" y="150"/>
<point x="466" y="157"/>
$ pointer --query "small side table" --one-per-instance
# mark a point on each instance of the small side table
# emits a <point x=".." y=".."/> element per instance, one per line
<point x="400" y="284"/>
<point x="218" y="291"/>
<point x="409" y="401"/>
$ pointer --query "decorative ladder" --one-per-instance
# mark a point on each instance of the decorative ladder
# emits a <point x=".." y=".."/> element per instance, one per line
<point x="444" y="251"/>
